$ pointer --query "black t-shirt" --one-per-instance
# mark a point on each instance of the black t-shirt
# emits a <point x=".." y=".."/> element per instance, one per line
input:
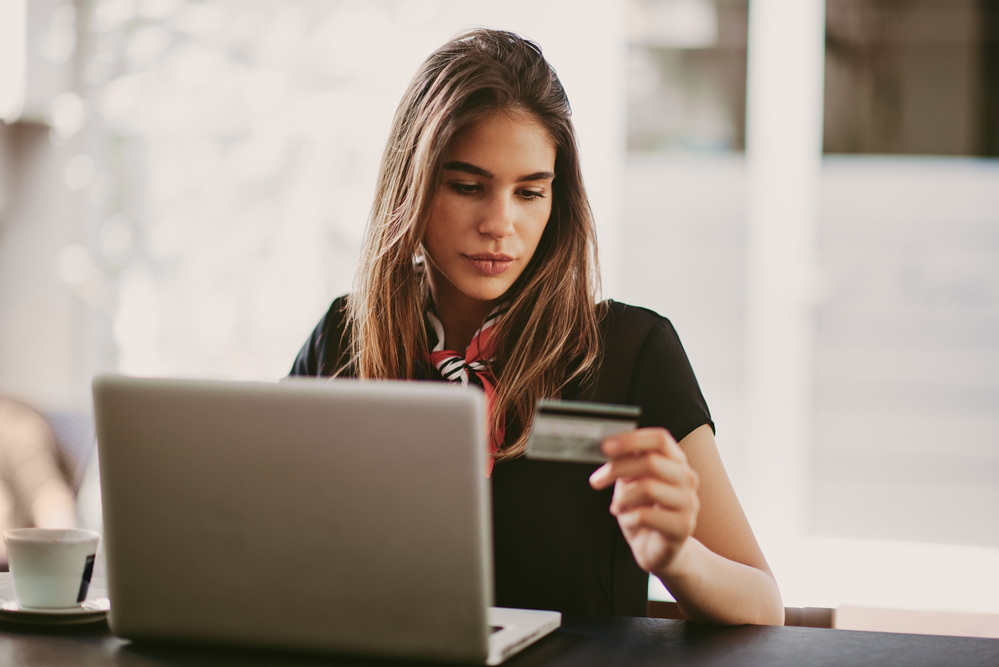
<point x="555" y="543"/>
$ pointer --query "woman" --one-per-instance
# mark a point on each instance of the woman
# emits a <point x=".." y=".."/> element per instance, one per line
<point x="479" y="266"/>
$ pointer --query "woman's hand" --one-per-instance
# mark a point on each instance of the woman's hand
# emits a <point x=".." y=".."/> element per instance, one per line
<point x="719" y="574"/>
<point x="655" y="494"/>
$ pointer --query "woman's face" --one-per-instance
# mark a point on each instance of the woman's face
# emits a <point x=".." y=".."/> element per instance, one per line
<point x="492" y="207"/>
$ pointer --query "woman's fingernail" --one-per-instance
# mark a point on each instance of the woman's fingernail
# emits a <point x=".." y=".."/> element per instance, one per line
<point x="598" y="475"/>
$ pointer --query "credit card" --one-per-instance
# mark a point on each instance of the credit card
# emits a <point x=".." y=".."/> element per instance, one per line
<point x="573" y="430"/>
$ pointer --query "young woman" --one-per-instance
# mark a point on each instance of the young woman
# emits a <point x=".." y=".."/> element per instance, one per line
<point x="479" y="266"/>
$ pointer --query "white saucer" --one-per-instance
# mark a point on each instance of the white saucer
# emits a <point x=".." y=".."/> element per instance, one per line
<point x="93" y="609"/>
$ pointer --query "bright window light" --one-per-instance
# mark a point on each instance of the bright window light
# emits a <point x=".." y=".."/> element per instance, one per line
<point x="13" y="38"/>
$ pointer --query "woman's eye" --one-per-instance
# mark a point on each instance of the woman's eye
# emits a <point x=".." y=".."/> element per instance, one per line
<point x="465" y="188"/>
<point x="532" y="194"/>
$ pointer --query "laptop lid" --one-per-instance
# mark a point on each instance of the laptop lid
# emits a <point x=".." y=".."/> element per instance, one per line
<point x="309" y="514"/>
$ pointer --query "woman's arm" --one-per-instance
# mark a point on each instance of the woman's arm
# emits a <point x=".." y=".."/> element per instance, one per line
<point x="680" y="515"/>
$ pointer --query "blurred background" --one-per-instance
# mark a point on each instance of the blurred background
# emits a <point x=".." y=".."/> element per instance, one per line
<point x="809" y="190"/>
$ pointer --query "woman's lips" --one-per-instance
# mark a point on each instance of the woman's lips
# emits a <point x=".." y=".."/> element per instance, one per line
<point x="489" y="264"/>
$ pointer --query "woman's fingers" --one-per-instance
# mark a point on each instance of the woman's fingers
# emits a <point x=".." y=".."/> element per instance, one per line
<point x="655" y="493"/>
<point x="647" y="491"/>
<point x="675" y="526"/>
<point x="643" y="440"/>
<point x="652" y="464"/>
<point x="645" y="452"/>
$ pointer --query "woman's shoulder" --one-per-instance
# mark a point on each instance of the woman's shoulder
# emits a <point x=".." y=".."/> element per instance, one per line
<point x="337" y="313"/>
<point x="332" y="329"/>
<point x="645" y="364"/>
<point x="624" y="332"/>
<point x="328" y="347"/>
<point x="626" y="325"/>
<point x="637" y="335"/>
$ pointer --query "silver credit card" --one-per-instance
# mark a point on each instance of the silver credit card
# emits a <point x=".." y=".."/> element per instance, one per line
<point x="573" y="430"/>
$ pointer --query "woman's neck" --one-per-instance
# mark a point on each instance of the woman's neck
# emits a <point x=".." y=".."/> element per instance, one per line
<point x="460" y="315"/>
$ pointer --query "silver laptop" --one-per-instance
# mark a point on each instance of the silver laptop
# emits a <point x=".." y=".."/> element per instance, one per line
<point x="334" y="516"/>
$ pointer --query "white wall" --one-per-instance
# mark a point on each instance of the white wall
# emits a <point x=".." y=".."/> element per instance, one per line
<point x="901" y="502"/>
<point x="243" y="141"/>
<point x="43" y="326"/>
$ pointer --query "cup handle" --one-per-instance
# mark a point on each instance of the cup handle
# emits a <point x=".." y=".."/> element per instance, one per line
<point x="88" y="571"/>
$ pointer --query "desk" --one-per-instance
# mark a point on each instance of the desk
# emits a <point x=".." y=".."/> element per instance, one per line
<point x="603" y="641"/>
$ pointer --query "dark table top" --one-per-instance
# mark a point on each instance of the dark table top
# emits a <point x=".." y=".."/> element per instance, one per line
<point x="582" y="640"/>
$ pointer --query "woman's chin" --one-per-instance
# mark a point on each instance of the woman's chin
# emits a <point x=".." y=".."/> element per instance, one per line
<point x="485" y="293"/>
<point x="482" y="288"/>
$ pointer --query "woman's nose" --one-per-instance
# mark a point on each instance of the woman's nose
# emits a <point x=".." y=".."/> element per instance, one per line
<point x="497" y="220"/>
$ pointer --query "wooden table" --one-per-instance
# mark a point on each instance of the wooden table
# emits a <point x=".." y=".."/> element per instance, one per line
<point x="582" y="640"/>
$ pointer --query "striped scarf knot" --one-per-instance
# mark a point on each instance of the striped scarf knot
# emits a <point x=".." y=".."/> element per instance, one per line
<point x="472" y="367"/>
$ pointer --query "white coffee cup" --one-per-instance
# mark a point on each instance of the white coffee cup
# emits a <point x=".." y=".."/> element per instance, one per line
<point x="51" y="567"/>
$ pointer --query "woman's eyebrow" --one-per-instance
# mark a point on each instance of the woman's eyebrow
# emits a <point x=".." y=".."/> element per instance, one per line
<point x="537" y="176"/>
<point x="458" y="165"/>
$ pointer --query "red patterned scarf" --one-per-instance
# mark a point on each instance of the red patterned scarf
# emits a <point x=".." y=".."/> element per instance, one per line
<point x="472" y="368"/>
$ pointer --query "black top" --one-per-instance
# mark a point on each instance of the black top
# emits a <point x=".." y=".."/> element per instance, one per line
<point x="556" y="544"/>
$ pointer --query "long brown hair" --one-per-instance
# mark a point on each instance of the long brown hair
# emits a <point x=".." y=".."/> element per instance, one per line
<point x="549" y="336"/>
